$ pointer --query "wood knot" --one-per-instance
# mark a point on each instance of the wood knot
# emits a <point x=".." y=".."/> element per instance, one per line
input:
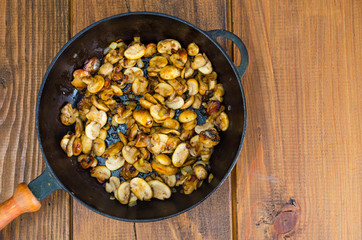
<point x="286" y="220"/>
<point x="2" y="82"/>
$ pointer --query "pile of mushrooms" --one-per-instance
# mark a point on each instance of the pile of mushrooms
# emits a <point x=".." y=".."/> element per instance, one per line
<point x="165" y="85"/>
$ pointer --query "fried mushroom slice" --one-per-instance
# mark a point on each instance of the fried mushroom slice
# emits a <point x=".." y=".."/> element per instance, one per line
<point x="106" y="70"/>
<point x="163" y="159"/>
<point x="98" y="116"/>
<point x="143" y="166"/>
<point x="135" y="51"/>
<point x="171" y="123"/>
<point x="114" y="162"/>
<point x="87" y="143"/>
<point x="163" y="169"/>
<point x="164" y="89"/>
<point x="68" y="114"/>
<point x="94" y="84"/>
<point x="168" y="46"/>
<point x="187" y="116"/>
<point x="143" y="117"/>
<point x="175" y="103"/>
<point x="64" y="142"/>
<point x="131" y="154"/>
<point x="141" y="189"/>
<point x="128" y="171"/>
<point x="139" y="85"/>
<point x="92" y="65"/>
<point x="123" y="192"/>
<point x="222" y="121"/>
<point x="160" y="190"/>
<point x="102" y="173"/>
<point x="190" y="185"/>
<point x="113" y="184"/>
<point x="179" y="58"/>
<point x="192" y="49"/>
<point x="99" y="146"/>
<point x="160" y="113"/>
<point x="192" y="86"/>
<point x="170" y="72"/>
<point x="200" y="171"/>
<point x="209" y="138"/>
<point x="113" y="149"/>
<point x="198" y="61"/>
<point x="92" y="130"/>
<point x="151" y="49"/>
<point x="170" y="180"/>
<point x="130" y="74"/>
<point x="180" y="154"/>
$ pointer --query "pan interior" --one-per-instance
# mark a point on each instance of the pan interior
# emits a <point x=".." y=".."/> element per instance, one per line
<point x="57" y="90"/>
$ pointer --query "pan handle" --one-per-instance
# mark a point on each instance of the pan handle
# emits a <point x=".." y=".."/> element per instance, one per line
<point x="243" y="52"/>
<point x="27" y="198"/>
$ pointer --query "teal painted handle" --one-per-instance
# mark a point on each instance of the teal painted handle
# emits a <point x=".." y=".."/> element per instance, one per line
<point x="244" y="53"/>
<point x="44" y="185"/>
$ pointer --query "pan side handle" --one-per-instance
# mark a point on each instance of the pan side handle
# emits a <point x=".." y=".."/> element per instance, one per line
<point x="243" y="52"/>
<point x="27" y="198"/>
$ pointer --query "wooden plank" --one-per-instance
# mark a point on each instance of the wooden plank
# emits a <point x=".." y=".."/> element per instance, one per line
<point x="26" y="52"/>
<point x="210" y="220"/>
<point x="302" y="155"/>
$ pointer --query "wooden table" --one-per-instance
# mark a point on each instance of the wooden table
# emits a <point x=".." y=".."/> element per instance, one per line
<point x="302" y="157"/>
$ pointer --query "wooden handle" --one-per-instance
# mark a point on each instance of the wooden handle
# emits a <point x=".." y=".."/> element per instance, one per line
<point x="22" y="201"/>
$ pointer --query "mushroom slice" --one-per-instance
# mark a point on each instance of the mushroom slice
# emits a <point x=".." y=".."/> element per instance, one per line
<point x="130" y="74"/>
<point x="86" y="144"/>
<point x="99" y="105"/>
<point x="64" y="142"/>
<point x="143" y="117"/>
<point x="159" y="99"/>
<point x="123" y="138"/>
<point x="77" y="146"/>
<point x="102" y="173"/>
<point x="113" y="184"/>
<point x="98" y="116"/>
<point x="123" y="192"/>
<point x="160" y="190"/>
<point x="139" y="85"/>
<point x="78" y="84"/>
<point x="179" y="58"/>
<point x="171" y="123"/>
<point x="204" y="127"/>
<point x="200" y="171"/>
<point x="187" y="116"/>
<point x="180" y="154"/>
<point x="168" y="46"/>
<point x="222" y="121"/>
<point x="131" y="154"/>
<point x="86" y="161"/>
<point x="92" y="65"/>
<point x="114" y="162"/>
<point x="187" y="71"/>
<point x="141" y="189"/>
<point x="145" y="104"/>
<point x="135" y="51"/>
<point x="94" y="84"/>
<point x="150" y="98"/>
<point x="163" y="159"/>
<point x="206" y="69"/>
<point x="145" y="167"/>
<point x="188" y="102"/>
<point x="209" y="137"/>
<point x="158" y="143"/>
<point x="158" y="63"/>
<point x="81" y="73"/>
<point x="106" y="70"/>
<point x="179" y="87"/>
<point x="170" y="72"/>
<point x="203" y="87"/>
<point x="127" y="63"/>
<point x="176" y="103"/>
<point x="92" y="130"/>
<point x="69" y="148"/>
<point x="164" y="89"/>
<point x="68" y="114"/>
<point x="142" y="140"/>
<point x="78" y="127"/>
<point x="190" y="185"/>
<point x="187" y="134"/>
<point x="151" y="49"/>
<point x="192" y="49"/>
<point x="99" y="146"/>
<point x="113" y="149"/>
<point x="192" y="87"/>
<point x="189" y="125"/>
<point x="128" y="171"/>
<point x="160" y="113"/>
<point x="171" y="144"/>
<point x="163" y="169"/>
<point x="198" y="61"/>
<point x="197" y="102"/>
<point x="170" y="180"/>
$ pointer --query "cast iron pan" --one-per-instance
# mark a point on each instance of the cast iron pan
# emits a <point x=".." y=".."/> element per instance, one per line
<point x="56" y="90"/>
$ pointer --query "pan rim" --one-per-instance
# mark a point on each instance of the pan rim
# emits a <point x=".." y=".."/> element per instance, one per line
<point x="70" y="41"/>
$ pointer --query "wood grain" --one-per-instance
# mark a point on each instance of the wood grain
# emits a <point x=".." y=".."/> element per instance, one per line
<point x="212" y="219"/>
<point x="31" y="33"/>
<point x="302" y="153"/>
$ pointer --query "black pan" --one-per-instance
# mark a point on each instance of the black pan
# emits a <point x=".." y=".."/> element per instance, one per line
<point x="65" y="173"/>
